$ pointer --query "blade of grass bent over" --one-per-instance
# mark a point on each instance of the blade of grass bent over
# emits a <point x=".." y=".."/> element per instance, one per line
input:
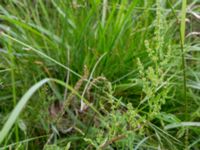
<point x="41" y="53"/>
<point x="26" y="97"/>
<point x="18" y="108"/>
<point x="88" y="82"/>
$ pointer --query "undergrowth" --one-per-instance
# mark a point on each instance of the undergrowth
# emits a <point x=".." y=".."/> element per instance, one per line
<point x="104" y="74"/>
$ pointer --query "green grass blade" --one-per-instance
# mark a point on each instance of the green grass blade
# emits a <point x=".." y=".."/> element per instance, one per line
<point x="41" y="53"/>
<point x="182" y="124"/>
<point x="23" y="101"/>
<point x="19" y="107"/>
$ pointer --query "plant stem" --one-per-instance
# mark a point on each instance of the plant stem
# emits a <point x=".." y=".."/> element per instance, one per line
<point x="182" y="34"/>
<point x="105" y="3"/>
<point x="12" y="65"/>
<point x="182" y="42"/>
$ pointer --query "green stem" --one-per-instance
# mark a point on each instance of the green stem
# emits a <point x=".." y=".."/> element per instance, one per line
<point x="182" y="34"/>
<point x="13" y="84"/>
<point x="105" y="3"/>
<point x="182" y="42"/>
<point x="182" y="31"/>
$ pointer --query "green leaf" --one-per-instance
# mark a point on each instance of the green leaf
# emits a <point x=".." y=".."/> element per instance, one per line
<point x="18" y="108"/>
<point x="182" y="124"/>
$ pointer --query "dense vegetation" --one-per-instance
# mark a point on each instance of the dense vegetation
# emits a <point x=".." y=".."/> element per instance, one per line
<point x="99" y="74"/>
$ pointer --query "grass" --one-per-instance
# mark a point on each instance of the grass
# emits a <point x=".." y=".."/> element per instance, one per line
<point x="99" y="74"/>
<point x="182" y="33"/>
